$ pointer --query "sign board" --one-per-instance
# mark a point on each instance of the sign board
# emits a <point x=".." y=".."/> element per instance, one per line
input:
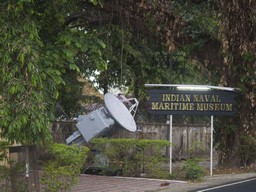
<point x="177" y="102"/>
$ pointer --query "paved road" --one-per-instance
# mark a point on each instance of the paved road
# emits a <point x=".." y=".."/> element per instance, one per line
<point x="212" y="181"/>
<point x="248" y="185"/>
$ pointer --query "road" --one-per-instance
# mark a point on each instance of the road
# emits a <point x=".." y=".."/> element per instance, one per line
<point x="248" y="185"/>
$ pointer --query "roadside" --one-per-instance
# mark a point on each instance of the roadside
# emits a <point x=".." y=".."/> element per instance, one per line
<point x="97" y="183"/>
<point x="208" y="181"/>
<point x="221" y="176"/>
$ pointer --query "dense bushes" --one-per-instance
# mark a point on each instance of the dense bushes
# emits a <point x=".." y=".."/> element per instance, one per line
<point x="134" y="157"/>
<point x="247" y="150"/>
<point x="62" y="171"/>
<point x="192" y="169"/>
<point x="4" y="170"/>
<point x="126" y="157"/>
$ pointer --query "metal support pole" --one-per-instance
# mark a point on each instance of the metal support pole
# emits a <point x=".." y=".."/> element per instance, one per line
<point x="27" y="184"/>
<point x="27" y="161"/>
<point x="211" y="155"/>
<point x="170" y="144"/>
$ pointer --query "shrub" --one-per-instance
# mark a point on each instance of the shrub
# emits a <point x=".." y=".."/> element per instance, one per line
<point x="247" y="149"/>
<point x="4" y="170"/>
<point x="62" y="171"/>
<point x="134" y="157"/>
<point x="193" y="170"/>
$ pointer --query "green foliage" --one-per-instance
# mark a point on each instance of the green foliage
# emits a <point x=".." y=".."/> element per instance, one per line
<point x="62" y="172"/>
<point x="225" y="137"/>
<point x="247" y="150"/>
<point x="22" y="77"/>
<point x="5" y="179"/>
<point x="44" y="45"/>
<point x="3" y="150"/>
<point x="138" y="53"/>
<point x="200" y="18"/>
<point x="38" y="48"/>
<point x="81" y="50"/>
<point x="4" y="169"/>
<point x="193" y="170"/>
<point x="97" y="2"/>
<point x="134" y="157"/>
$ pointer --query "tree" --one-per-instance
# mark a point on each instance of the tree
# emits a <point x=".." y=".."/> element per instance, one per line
<point x="38" y="48"/>
<point x="123" y="44"/>
<point x="218" y="39"/>
<point x="237" y="37"/>
<point x="139" y="45"/>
